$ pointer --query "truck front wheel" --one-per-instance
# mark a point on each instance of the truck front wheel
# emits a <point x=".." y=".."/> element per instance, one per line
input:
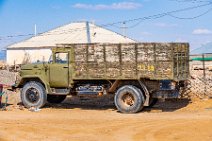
<point x="56" y="98"/>
<point x="129" y="99"/>
<point x="33" y="94"/>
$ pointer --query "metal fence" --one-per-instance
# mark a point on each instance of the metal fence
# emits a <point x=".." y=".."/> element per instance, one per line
<point x="200" y="82"/>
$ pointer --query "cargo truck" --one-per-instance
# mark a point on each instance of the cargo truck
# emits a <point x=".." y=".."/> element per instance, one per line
<point x="137" y="74"/>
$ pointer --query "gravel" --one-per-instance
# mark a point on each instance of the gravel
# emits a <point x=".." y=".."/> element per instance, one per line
<point x="7" y="78"/>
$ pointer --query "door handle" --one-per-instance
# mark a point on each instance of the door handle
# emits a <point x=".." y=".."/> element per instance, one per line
<point x="35" y="66"/>
<point x="65" y="67"/>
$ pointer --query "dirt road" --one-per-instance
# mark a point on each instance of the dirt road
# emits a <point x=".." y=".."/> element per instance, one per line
<point x="70" y="122"/>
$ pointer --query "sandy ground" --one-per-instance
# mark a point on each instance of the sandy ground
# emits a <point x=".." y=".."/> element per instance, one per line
<point x="93" y="120"/>
<point x="96" y="119"/>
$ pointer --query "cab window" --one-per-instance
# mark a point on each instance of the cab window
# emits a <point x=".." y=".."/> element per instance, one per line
<point x="61" y="58"/>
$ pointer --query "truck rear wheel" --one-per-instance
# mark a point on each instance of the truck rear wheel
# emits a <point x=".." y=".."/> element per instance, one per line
<point x="33" y="94"/>
<point x="129" y="99"/>
<point x="56" y="98"/>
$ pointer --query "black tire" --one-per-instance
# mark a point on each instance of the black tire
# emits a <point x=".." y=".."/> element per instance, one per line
<point x="33" y="94"/>
<point x="56" y="98"/>
<point x="152" y="102"/>
<point x="129" y="99"/>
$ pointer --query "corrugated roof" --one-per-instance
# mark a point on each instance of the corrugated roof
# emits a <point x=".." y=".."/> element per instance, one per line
<point x="73" y="33"/>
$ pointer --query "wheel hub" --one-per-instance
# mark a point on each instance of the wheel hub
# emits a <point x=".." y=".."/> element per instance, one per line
<point x="32" y="95"/>
<point x="128" y="99"/>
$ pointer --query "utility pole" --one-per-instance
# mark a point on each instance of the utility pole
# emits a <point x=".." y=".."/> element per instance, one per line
<point x="35" y="30"/>
<point x="88" y="32"/>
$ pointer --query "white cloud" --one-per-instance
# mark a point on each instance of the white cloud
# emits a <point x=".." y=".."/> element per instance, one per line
<point x="165" y="25"/>
<point x="202" y="31"/>
<point x="113" y="6"/>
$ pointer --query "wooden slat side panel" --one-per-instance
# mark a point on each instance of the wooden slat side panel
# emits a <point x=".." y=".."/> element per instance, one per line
<point x="131" y="61"/>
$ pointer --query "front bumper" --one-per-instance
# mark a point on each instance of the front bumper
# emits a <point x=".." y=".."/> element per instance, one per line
<point x="12" y="88"/>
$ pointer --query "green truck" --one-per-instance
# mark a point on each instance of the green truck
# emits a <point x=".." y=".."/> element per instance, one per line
<point x="137" y="74"/>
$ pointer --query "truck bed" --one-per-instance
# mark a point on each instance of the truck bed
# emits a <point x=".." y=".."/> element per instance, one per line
<point x="155" y="61"/>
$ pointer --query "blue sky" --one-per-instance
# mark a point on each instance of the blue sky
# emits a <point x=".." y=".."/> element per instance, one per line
<point x="17" y="17"/>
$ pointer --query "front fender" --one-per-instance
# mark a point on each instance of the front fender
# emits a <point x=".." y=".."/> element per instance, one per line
<point x="21" y="81"/>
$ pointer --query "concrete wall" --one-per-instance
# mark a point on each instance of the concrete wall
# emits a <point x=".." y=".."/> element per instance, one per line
<point x="18" y="56"/>
<point x="199" y="64"/>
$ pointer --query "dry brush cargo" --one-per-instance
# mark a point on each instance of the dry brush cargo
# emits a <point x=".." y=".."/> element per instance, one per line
<point x="136" y="73"/>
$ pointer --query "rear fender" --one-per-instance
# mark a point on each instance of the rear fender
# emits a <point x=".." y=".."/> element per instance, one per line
<point x="146" y="92"/>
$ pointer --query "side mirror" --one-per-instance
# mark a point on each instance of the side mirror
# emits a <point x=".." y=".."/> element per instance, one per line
<point x="50" y="59"/>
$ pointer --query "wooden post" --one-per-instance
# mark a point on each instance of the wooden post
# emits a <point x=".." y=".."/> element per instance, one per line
<point x="204" y="75"/>
<point x="1" y="91"/>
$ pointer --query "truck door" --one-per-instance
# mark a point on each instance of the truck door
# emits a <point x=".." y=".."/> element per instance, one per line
<point x="59" y="70"/>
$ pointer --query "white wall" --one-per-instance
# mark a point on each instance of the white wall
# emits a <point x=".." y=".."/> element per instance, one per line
<point x="16" y="56"/>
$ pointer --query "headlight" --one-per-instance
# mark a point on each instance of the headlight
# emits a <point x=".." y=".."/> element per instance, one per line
<point x="17" y="78"/>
